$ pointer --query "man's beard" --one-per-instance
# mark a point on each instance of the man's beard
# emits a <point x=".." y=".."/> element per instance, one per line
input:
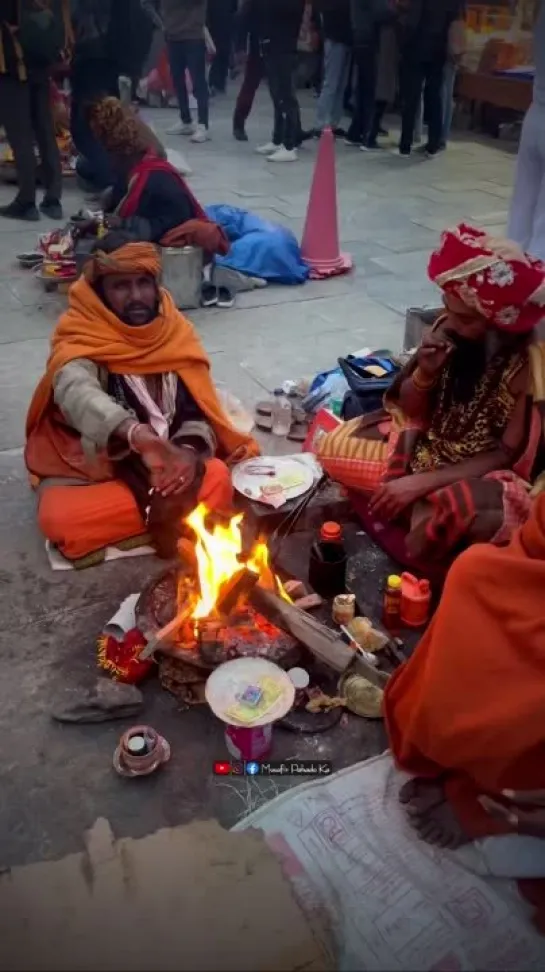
<point x="150" y="312"/>
<point x="466" y="366"/>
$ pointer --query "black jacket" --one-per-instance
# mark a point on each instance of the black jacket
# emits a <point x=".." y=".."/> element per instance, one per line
<point x="367" y="17"/>
<point x="336" y="20"/>
<point x="424" y="25"/>
<point x="278" y="22"/>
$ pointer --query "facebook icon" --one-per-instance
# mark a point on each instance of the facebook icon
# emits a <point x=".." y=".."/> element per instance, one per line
<point x="252" y="769"/>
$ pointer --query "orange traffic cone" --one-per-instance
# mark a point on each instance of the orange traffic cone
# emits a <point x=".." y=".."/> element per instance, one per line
<point x="320" y="243"/>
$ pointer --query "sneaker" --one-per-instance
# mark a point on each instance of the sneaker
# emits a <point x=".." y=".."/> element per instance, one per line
<point x="51" y="208"/>
<point x="225" y="298"/>
<point x="352" y="142"/>
<point x="284" y="155"/>
<point x="402" y="153"/>
<point x="209" y="295"/>
<point x="181" y="128"/>
<point x="371" y="146"/>
<point x="18" y="210"/>
<point x="200" y="134"/>
<point x="267" y="149"/>
<point x="240" y="134"/>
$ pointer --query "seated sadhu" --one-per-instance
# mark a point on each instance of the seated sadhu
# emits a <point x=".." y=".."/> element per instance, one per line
<point x="125" y="432"/>
<point x="451" y="454"/>
<point x="152" y="201"/>
<point x="465" y="714"/>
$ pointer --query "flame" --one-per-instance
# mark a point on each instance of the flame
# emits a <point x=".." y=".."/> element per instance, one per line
<point x="217" y="552"/>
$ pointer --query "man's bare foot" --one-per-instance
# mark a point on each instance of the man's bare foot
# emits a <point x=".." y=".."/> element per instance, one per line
<point x="441" y="828"/>
<point x="419" y="795"/>
<point x="430" y="814"/>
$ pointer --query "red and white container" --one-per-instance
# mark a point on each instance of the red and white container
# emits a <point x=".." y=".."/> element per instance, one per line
<point x="249" y="743"/>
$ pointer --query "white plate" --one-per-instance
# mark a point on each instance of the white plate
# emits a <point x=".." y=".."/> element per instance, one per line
<point x="250" y="486"/>
<point x="230" y="679"/>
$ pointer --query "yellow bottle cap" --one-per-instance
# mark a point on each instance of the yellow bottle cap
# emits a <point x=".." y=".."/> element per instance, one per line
<point x="394" y="581"/>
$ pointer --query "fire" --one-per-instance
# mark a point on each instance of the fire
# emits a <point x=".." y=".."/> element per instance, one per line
<point x="217" y="552"/>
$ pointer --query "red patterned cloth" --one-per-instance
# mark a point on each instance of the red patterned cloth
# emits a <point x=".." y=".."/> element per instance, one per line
<point x="492" y="276"/>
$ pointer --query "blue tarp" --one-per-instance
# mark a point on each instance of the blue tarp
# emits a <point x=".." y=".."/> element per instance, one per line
<point x="259" y="248"/>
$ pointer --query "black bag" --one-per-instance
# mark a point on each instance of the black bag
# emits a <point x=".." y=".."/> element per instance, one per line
<point x="42" y="31"/>
<point x="366" y="391"/>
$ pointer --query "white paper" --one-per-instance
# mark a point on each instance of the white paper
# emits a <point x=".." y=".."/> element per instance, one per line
<point x="124" y="619"/>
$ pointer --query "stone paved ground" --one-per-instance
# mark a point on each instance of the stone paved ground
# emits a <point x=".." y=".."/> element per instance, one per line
<point x="56" y="781"/>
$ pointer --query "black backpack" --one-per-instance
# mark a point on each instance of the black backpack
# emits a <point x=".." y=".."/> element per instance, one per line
<point x="42" y="31"/>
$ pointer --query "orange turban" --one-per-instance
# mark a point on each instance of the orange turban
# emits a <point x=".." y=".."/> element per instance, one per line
<point x="131" y="258"/>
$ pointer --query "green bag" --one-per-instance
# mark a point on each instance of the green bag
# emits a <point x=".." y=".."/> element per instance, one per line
<point x="42" y="31"/>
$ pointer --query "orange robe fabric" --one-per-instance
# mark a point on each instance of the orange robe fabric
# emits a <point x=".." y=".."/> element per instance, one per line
<point x="469" y="706"/>
<point x="83" y="519"/>
<point x="89" y="330"/>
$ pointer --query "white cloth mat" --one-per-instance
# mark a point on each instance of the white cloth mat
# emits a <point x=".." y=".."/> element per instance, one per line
<point x="392" y="901"/>
<point x="58" y="562"/>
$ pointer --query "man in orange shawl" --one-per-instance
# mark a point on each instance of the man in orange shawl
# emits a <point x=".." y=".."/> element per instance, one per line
<point x="465" y="716"/>
<point x="125" y="432"/>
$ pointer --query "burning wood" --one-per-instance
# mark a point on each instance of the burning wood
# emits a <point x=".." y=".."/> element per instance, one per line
<point x="324" y="644"/>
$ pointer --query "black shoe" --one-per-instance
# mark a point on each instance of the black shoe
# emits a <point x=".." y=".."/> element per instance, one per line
<point x="352" y="142"/>
<point x="371" y="145"/>
<point x="18" y="210"/>
<point x="306" y="136"/>
<point x="383" y="131"/>
<point x="240" y="135"/>
<point x="339" y="132"/>
<point x="51" y="208"/>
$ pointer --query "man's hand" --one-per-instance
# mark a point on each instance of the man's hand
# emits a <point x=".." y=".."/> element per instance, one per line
<point x="523" y="810"/>
<point x="433" y="353"/>
<point x="173" y="468"/>
<point x="392" y="498"/>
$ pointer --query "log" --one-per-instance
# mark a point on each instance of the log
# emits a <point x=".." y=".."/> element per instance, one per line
<point x="324" y="644"/>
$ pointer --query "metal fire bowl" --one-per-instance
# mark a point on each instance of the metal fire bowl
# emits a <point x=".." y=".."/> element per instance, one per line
<point x="247" y="634"/>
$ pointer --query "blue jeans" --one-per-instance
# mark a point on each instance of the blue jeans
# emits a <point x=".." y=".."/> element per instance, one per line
<point x="449" y="80"/>
<point x="189" y="55"/>
<point x="329" y="110"/>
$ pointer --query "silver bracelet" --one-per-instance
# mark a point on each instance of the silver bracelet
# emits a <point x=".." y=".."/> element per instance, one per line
<point x="130" y="437"/>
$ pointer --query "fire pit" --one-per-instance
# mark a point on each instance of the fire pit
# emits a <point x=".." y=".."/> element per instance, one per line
<point x="215" y="621"/>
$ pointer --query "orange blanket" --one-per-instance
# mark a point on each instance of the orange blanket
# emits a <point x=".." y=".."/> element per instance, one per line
<point x="89" y="330"/>
<point x="469" y="705"/>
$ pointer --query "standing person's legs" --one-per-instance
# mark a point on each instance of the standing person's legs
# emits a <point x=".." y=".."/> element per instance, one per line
<point x="195" y="53"/>
<point x="330" y="102"/>
<point x="16" y="118"/>
<point x="288" y="104"/>
<point x="449" y="80"/>
<point x="273" y="72"/>
<point x="89" y="80"/>
<point x="524" y="224"/>
<point x="44" y="129"/>
<point x="412" y="77"/>
<point x="253" y="75"/>
<point x="220" y="25"/>
<point x="433" y="100"/>
<point x="366" y="67"/>
<point x="178" y="64"/>
<point x="380" y="108"/>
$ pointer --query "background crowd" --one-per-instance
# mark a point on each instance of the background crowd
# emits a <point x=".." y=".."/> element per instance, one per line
<point x="361" y="56"/>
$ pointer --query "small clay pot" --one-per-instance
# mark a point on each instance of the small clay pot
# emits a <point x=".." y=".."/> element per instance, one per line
<point x="131" y="764"/>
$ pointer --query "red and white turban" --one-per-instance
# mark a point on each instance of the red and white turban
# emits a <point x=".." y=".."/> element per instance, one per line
<point x="494" y="277"/>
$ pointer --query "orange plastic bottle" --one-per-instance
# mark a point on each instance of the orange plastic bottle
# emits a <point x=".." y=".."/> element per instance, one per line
<point x="415" y="601"/>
